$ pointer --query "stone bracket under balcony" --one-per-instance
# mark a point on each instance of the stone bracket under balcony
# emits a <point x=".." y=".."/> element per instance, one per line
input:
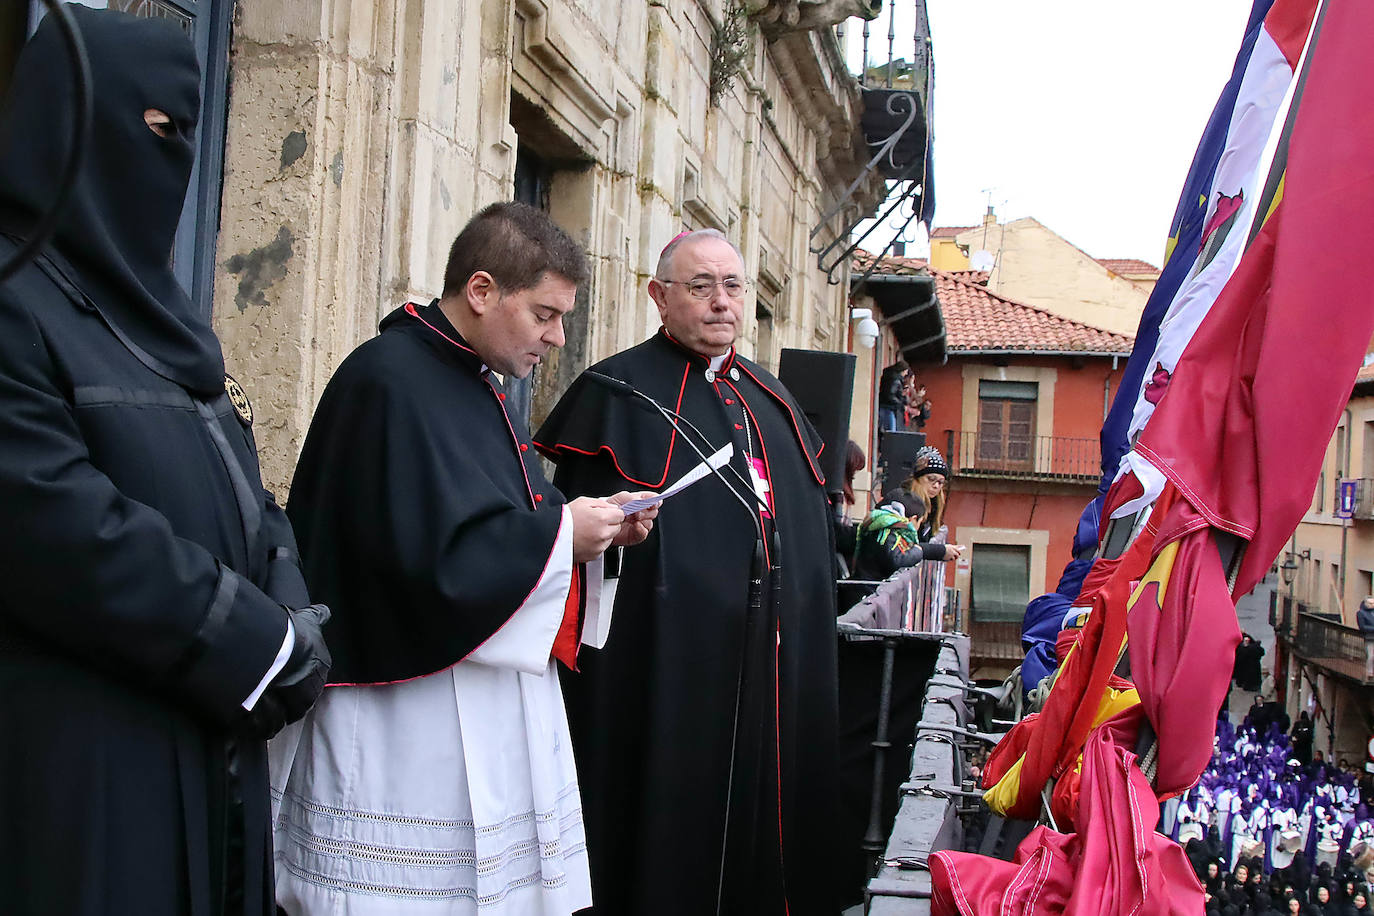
<point x="776" y="17"/>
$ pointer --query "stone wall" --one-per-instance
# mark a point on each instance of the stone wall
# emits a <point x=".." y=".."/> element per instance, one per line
<point x="364" y="133"/>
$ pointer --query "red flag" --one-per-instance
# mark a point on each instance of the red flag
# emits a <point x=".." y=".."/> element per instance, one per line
<point x="1182" y="631"/>
<point x="1056" y="736"/>
<point x="1115" y="866"/>
<point x="1269" y="370"/>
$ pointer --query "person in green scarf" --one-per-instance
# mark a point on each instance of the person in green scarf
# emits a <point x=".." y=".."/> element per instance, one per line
<point x="888" y="537"/>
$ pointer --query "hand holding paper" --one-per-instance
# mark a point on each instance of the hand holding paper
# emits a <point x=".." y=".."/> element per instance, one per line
<point x="634" y="527"/>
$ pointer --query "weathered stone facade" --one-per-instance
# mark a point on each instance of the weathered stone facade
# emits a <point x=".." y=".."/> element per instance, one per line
<point x="364" y="133"/>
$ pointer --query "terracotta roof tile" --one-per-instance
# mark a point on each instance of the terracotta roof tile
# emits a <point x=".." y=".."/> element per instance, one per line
<point x="888" y="266"/>
<point x="949" y="232"/>
<point x="1124" y="266"/>
<point x="978" y="319"/>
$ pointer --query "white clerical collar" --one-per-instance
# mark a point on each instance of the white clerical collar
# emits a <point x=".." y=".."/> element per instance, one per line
<point x="718" y="361"/>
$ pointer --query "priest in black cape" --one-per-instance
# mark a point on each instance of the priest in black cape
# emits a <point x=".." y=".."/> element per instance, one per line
<point x="147" y="574"/>
<point x="653" y="713"/>
<point x="437" y="769"/>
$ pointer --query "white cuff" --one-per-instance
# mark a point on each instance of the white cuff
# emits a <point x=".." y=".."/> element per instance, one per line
<point x="283" y="654"/>
<point x="600" y="601"/>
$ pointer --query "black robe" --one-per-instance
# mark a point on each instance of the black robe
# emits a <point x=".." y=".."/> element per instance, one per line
<point x="423" y="515"/>
<point x="652" y="713"/>
<point x="144" y="572"/>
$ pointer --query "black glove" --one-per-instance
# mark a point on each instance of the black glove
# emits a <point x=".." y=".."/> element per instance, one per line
<point x="300" y="682"/>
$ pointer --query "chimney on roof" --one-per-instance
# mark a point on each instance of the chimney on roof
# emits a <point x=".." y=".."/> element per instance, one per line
<point x="899" y="249"/>
<point x="990" y="218"/>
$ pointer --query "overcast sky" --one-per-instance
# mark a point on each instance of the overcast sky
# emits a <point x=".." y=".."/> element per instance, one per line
<point x="1081" y="113"/>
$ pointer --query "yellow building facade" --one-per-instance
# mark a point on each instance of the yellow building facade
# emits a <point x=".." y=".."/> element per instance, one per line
<point x="1028" y="262"/>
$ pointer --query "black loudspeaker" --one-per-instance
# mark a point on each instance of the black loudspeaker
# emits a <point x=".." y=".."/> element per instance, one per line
<point x="823" y="384"/>
<point x="897" y="455"/>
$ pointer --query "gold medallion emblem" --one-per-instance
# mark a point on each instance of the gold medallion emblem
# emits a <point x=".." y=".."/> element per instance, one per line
<point x="239" y="399"/>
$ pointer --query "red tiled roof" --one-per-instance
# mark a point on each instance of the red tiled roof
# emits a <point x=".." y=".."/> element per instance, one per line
<point x="949" y="232"/>
<point x="1366" y="374"/>
<point x="977" y="319"/>
<point x="1124" y="266"/>
<point x="888" y="266"/>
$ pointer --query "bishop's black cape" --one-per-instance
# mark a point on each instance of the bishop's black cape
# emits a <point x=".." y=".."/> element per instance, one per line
<point x="651" y="714"/>
<point x="421" y="510"/>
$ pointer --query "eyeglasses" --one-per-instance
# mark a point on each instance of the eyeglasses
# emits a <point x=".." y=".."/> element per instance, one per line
<point x="701" y="288"/>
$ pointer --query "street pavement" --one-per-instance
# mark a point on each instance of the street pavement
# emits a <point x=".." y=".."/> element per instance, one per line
<point x="1252" y="612"/>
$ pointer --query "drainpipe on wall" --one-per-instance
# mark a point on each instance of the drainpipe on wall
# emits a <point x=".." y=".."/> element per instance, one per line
<point x="1107" y="391"/>
<point x="1345" y="522"/>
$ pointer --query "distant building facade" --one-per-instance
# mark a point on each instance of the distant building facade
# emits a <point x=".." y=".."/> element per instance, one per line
<point x="1329" y="567"/>
<point x="1028" y="262"/>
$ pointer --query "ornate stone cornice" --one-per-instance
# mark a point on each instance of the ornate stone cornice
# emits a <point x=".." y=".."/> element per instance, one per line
<point x="812" y="70"/>
<point x="777" y="17"/>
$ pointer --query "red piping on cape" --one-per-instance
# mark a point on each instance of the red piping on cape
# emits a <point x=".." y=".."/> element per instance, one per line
<point x="693" y="354"/>
<point x="552" y="450"/>
<point x="515" y="440"/>
<point x="767" y="469"/>
<point x="411" y="311"/>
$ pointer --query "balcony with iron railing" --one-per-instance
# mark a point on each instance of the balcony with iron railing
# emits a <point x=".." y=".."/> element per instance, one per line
<point x="1364" y="498"/>
<point x="976" y="454"/>
<point x="1321" y="640"/>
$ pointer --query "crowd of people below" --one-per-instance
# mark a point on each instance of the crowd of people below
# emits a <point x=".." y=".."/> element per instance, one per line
<point x="1272" y="827"/>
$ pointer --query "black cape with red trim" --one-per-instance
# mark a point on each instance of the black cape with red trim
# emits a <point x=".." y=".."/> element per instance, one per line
<point x="652" y="712"/>
<point x="423" y="517"/>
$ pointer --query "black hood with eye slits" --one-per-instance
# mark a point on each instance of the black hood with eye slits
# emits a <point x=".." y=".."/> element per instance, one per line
<point x="120" y="222"/>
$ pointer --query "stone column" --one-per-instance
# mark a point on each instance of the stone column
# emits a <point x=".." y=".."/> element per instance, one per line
<point x="302" y="226"/>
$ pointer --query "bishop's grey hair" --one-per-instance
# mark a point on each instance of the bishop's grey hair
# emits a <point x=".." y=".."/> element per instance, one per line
<point x="665" y="260"/>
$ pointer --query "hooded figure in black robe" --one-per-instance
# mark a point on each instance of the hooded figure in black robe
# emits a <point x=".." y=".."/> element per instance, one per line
<point x="653" y="713"/>
<point x="147" y="575"/>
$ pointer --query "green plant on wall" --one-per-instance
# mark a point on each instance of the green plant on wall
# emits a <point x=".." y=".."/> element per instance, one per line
<point x="731" y="46"/>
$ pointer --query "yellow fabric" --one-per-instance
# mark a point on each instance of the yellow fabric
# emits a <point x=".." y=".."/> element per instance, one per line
<point x="1003" y="795"/>
<point x="1159" y="572"/>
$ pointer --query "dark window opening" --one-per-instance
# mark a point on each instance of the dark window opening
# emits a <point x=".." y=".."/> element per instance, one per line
<point x="999" y="582"/>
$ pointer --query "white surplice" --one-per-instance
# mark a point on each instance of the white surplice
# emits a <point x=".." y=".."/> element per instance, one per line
<point x="446" y="795"/>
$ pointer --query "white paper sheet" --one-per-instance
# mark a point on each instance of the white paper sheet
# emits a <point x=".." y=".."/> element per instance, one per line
<point x="715" y="462"/>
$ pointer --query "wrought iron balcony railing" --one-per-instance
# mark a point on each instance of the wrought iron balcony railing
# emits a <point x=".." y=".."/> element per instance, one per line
<point x="975" y="453"/>
<point x="1364" y="498"/>
<point x="1329" y="643"/>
